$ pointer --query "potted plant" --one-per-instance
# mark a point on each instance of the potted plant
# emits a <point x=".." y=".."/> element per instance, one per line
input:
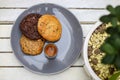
<point x="101" y="49"/>
<point x="111" y="45"/>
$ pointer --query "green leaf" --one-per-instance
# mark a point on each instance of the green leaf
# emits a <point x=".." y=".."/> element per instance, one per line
<point x="114" y="76"/>
<point x="114" y="40"/>
<point x="110" y="30"/>
<point x="117" y="62"/>
<point x="118" y="26"/>
<point x="105" y="19"/>
<point x="114" y="21"/>
<point x="111" y="9"/>
<point x="108" y="59"/>
<point x="117" y="10"/>
<point x="108" y="48"/>
<point x="117" y="43"/>
<point x="113" y="30"/>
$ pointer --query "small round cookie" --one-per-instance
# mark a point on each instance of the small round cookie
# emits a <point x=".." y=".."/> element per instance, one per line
<point x="31" y="47"/>
<point x="28" y="26"/>
<point x="49" y="27"/>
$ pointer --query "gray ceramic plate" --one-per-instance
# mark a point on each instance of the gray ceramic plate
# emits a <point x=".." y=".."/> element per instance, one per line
<point x="69" y="46"/>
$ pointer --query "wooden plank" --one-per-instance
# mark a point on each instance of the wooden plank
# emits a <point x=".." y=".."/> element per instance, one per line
<point x="86" y="28"/>
<point x="88" y="15"/>
<point x="10" y="14"/>
<point x="76" y="73"/>
<point x="65" y="3"/>
<point x="81" y="15"/>
<point x="9" y="59"/>
<point x="5" y="45"/>
<point x="5" y="30"/>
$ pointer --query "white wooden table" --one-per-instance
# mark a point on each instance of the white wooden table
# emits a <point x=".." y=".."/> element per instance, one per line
<point x="87" y="12"/>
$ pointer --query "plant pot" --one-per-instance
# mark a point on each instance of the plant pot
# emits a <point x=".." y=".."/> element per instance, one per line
<point x="93" y="55"/>
<point x="87" y="66"/>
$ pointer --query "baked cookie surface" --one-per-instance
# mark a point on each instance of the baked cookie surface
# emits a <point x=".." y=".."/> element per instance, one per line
<point x="49" y="27"/>
<point x="28" y="26"/>
<point x="31" y="47"/>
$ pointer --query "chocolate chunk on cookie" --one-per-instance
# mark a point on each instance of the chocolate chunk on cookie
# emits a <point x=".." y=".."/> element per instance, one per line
<point x="28" y="26"/>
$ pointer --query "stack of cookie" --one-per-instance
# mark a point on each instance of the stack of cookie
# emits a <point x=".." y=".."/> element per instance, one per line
<point x="36" y="29"/>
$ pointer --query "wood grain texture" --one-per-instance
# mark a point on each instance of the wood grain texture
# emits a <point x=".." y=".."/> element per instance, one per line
<point x="22" y="74"/>
<point x="64" y="3"/>
<point x="81" y="14"/>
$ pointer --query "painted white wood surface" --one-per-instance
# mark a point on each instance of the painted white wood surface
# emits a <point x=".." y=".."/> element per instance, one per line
<point x="82" y="15"/>
<point x="65" y="3"/>
<point x="87" y="12"/>
<point x="74" y="73"/>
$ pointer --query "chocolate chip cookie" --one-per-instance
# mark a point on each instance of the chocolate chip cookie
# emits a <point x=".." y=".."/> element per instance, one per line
<point x="49" y="27"/>
<point x="31" y="47"/>
<point x="28" y="26"/>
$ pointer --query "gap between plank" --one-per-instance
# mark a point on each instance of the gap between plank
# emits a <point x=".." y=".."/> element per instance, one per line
<point x="89" y="8"/>
<point x="12" y="22"/>
<point x="7" y="52"/>
<point x="4" y="37"/>
<point x="13" y="8"/>
<point x="11" y="66"/>
<point x="23" y="66"/>
<point x="67" y="8"/>
<point x="77" y="66"/>
<point x="7" y="22"/>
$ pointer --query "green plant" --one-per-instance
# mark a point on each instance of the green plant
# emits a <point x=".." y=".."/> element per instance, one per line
<point x="114" y="76"/>
<point x="111" y="46"/>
